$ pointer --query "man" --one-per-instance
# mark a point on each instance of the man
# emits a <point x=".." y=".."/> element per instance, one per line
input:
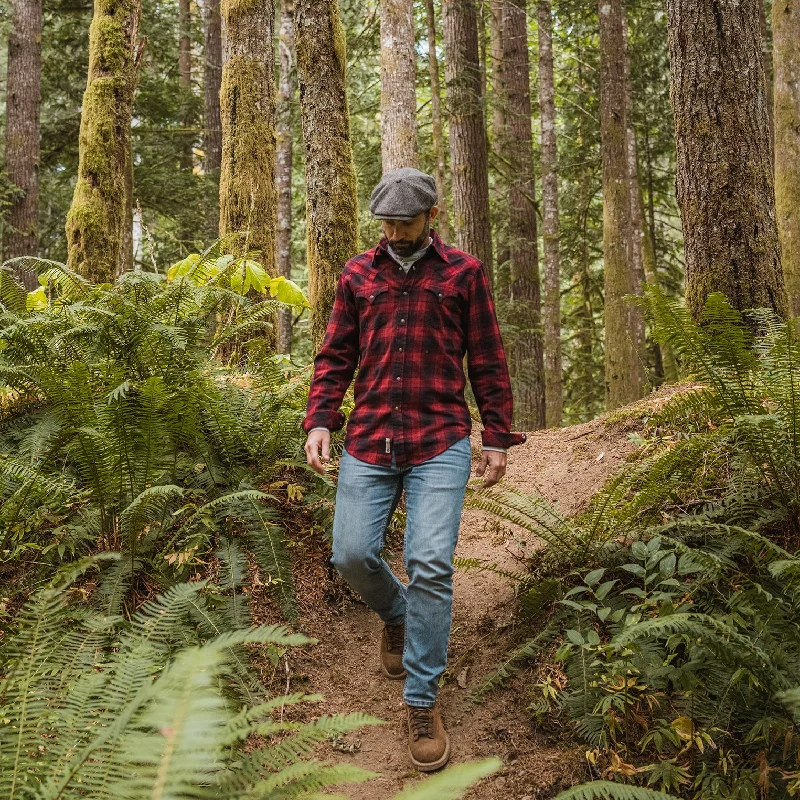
<point x="405" y="313"/>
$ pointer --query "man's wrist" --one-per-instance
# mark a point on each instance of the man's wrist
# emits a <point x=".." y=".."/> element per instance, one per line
<point x="327" y="430"/>
<point x="495" y="449"/>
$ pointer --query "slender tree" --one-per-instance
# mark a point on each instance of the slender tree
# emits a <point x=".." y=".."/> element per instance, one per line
<point x="398" y="85"/>
<point x="786" y="52"/>
<point x="524" y="310"/>
<point x="498" y="143"/>
<point x="620" y="368"/>
<point x="442" y="221"/>
<point x="766" y="58"/>
<point x="553" y="389"/>
<point x="248" y="198"/>
<point x="468" y="162"/>
<point x="283" y="163"/>
<point x="212" y="82"/>
<point x="332" y="203"/>
<point x="23" y="98"/>
<point x="724" y="180"/>
<point x="98" y="221"/>
<point x="185" y="72"/>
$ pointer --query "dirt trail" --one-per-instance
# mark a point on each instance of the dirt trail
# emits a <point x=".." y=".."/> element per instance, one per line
<point x="567" y="466"/>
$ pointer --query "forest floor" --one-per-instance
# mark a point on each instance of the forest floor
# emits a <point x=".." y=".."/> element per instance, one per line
<point x="567" y="466"/>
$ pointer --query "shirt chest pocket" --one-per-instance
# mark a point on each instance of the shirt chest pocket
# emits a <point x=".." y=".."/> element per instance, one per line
<point x="442" y="306"/>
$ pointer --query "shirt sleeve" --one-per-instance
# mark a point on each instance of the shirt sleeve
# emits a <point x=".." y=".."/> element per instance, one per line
<point x="487" y="367"/>
<point x="335" y="363"/>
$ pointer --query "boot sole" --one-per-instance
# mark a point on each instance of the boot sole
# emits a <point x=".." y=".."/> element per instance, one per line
<point x="433" y="765"/>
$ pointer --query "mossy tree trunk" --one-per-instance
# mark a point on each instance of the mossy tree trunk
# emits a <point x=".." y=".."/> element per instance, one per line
<point x="283" y="163"/>
<point x="621" y="384"/>
<point x="185" y="76"/>
<point x="23" y="100"/>
<point x="247" y="194"/>
<point x="468" y="152"/>
<point x="724" y="181"/>
<point x="442" y="221"/>
<point x="553" y="389"/>
<point x="212" y="124"/>
<point x="332" y="201"/>
<point x="786" y="52"/>
<point x="524" y="308"/>
<point x="97" y="239"/>
<point x="399" y="146"/>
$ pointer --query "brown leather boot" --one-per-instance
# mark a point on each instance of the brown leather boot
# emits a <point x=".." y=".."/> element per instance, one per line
<point x="428" y="743"/>
<point x="393" y="640"/>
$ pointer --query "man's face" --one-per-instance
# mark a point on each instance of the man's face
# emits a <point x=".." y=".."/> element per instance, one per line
<point x="408" y="236"/>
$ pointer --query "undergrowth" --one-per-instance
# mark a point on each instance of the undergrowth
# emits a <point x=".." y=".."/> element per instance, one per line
<point x="664" y="621"/>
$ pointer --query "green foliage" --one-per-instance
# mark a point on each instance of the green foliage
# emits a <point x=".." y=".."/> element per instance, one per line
<point x="123" y="427"/>
<point x="669" y="609"/>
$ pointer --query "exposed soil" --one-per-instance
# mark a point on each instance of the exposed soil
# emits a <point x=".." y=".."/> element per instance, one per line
<point x="567" y="466"/>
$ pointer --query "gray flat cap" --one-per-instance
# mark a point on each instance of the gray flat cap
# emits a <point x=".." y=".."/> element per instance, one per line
<point x="403" y="194"/>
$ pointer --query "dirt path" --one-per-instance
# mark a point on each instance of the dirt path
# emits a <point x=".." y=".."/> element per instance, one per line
<point x="567" y="466"/>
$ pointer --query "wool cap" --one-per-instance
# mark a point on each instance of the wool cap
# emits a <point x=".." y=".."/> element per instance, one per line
<point x="403" y="194"/>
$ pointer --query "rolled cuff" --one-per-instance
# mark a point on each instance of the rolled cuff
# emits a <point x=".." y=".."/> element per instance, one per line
<point x="332" y="420"/>
<point x="504" y="440"/>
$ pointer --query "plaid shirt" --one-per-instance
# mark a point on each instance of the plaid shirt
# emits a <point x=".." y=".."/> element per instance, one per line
<point x="408" y="333"/>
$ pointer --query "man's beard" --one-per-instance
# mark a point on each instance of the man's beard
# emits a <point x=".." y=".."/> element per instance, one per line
<point x="405" y="249"/>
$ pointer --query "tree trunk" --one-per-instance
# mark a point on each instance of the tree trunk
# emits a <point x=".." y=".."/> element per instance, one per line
<point x="247" y="194"/>
<point x="283" y="164"/>
<point x="23" y="99"/>
<point x="398" y="85"/>
<point x="332" y="203"/>
<point x="524" y="310"/>
<point x="498" y="145"/>
<point x="724" y="182"/>
<point x="786" y="52"/>
<point x="212" y="124"/>
<point x="766" y="58"/>
<point x="620" y="367"/>
<point x="185" y="76"/>
<point x="442" y="223"/>
<point x="99" y="214"/>
<point x="553" y="390"/>
<point x="468" y="163"/>
<point x="636" y="230"/>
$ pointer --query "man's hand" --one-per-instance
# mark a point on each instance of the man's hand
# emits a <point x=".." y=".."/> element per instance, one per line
<point x="493" y="464"/>
<point x="318" y="440"/>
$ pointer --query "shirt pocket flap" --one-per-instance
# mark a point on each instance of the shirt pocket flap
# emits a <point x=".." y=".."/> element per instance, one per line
<point x="440" y="292"/>
<point x="371" y="293"/>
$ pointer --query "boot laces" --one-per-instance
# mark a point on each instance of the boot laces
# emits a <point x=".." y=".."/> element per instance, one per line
<point x="396" y="635"/>
<point x="421" y="722"/>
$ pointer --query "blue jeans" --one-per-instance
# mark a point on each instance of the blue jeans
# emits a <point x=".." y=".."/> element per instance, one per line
<point x="366" y="497"/>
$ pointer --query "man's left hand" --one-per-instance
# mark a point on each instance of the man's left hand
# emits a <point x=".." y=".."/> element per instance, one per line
<point x="493" y="465"/>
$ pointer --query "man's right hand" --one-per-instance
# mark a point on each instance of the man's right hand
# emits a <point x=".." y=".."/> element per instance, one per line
<point x="318" y="441"/>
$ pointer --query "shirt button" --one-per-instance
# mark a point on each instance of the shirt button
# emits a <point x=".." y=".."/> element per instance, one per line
<point x="399" y="348"/>
<point x="397" y="408"/>
<point x="398" y="378"/>
<point x="402" y="320"/>
<point x="372" y="296"/>
<point x="440" y="294"/>
<point x="405" y="293"/>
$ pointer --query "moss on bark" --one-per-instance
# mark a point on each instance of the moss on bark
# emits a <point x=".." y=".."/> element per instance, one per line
<point x="100" y="208"/>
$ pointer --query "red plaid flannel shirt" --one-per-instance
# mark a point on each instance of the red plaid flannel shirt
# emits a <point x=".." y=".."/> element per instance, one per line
<point x="408" y="334"/>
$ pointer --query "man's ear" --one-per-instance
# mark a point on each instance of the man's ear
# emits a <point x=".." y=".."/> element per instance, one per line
<point x="433" y="212"/>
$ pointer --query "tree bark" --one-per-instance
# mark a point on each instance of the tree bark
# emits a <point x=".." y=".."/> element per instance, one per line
<point x="332" y="203"/>
<point x="724" y="182"/>
<point x="185" y="76"/>
<point x="498" y="145"/>
<point x="248" y="198"/>
<point x="100" y="210"/>
<point x="786" y="53"/>
<point x="443" y="222"/>
<point x="23" y="100"/>
<point x="620" y="365"/>
<point x="766" y="58"/>
<point x="553" y="389"/>
<point x="212" y="123"/>
<point x="398" y="85"/>
<point x="468" y="163"/>
<point x="524" y="311"/>
<point x="283" y="163"/>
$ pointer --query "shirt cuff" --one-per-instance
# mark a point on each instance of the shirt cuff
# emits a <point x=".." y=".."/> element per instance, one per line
<point x="502" y="440"/>
<point x="327" y="430"/>
<point x="496" y="449"/>
<point x="332" y="420"/>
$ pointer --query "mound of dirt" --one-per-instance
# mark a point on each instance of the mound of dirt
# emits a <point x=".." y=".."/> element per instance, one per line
<point x="567" y="466"/>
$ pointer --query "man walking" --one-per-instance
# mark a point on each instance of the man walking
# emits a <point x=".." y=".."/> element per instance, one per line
<point x="405" y="313"/>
